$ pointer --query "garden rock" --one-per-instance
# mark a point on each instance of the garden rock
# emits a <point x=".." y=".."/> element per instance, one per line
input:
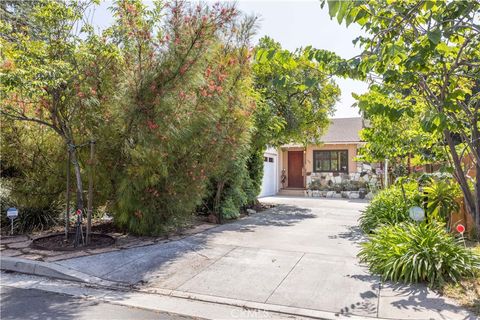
<point x="19" y="245"/>
<point x="353" y="195"/>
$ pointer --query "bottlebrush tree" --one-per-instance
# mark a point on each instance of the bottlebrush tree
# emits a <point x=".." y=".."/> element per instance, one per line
<point x="185" y="106"/>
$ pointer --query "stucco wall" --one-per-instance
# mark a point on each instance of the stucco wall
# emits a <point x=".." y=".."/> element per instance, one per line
<point x="352" y="153"/>
<point x="283" y="163"/>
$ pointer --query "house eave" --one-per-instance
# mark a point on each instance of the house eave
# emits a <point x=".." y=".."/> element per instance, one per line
<point x="294" y="145"/>
<point x="343" y="142"/>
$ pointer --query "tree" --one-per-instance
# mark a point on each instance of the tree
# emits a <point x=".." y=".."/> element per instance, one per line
<point x="54" y="76"/>
<point x="427" y="50"/>
<point x="185" y="109"/>
<point x="382" y="132"/>
<point x="297" y="96"/>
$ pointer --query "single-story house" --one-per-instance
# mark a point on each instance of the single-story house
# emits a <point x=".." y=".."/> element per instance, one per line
<point x="293" y="166"/>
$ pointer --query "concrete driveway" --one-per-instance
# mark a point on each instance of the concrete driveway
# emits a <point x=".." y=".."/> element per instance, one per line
<point x="300" y="254"/>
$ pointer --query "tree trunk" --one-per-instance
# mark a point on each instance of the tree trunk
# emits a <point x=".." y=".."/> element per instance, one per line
<point x="67" y="213"/>
<point x="471" y="202"/>
<point x="409" y="164"/>
<point x="476" y="216"/>
<point x="216" y="203"/>
<point x="78" y="178"/>
<point x="90" y="192"/>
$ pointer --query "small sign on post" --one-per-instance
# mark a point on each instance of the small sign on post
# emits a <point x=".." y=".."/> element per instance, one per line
<point x="461" y="229"/>
<point x="12" y="213"/>
<point x="416" y="213"/>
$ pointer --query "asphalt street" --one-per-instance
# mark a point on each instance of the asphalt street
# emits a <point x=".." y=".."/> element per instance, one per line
<point x="23" y="304"/>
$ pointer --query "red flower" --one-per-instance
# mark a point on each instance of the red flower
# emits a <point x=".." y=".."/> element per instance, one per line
<point x="152" y="125"/>
<point x="221" y="76"/>
<point x="208" y="72"/>
<point x="131" y="8"/>
<point x="8" y="64"/>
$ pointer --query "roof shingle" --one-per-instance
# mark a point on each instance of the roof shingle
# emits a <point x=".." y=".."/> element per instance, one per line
<point x="343" y="130"/>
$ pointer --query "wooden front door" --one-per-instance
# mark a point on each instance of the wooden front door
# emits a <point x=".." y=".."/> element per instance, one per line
<point x="295" y="165"/>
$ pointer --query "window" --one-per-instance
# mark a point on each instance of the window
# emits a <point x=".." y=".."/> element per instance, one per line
<point x="330" y="161"/>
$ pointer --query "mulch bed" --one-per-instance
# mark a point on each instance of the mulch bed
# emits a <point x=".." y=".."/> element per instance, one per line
<point x="57" y="242"/>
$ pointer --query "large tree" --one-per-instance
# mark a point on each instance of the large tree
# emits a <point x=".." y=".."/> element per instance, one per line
<point x="297" y="96"/>
<point x="428" y="50"/>
<point x="55" y="72"/>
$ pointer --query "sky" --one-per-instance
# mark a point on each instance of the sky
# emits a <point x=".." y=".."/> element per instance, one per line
<point x="294" y="24"/>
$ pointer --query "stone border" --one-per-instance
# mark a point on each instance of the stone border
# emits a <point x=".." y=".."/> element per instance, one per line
<point x="20" y="246"/>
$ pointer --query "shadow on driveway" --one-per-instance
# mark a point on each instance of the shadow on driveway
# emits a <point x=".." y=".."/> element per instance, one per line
<point x="138" y="265"/>
<point x="226" y="267"/>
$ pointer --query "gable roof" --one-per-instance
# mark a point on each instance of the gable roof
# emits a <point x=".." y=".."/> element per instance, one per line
<point x="342" y="130"/>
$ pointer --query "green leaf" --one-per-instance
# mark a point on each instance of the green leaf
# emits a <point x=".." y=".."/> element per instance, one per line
<point x="435" y="36"/>
<point x="333" y="7"/>
<point x="429" y="5"/>
<point x="310" y="82"/>
<point x="361" y="17"/>
<point x="351" y="16"/>
<point x="342" y="11"/>
<point x="271" y="54"/>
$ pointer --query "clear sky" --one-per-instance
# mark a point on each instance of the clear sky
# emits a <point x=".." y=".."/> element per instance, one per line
<point x="294" y="24"/>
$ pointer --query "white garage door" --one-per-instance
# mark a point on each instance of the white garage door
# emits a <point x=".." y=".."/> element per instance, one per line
<point x="269" y="182"/>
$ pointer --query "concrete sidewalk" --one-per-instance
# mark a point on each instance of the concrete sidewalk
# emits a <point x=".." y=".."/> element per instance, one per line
<point x="300" y="255"/>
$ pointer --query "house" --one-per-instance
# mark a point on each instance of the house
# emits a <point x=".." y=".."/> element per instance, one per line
<point x="294" y="166"/>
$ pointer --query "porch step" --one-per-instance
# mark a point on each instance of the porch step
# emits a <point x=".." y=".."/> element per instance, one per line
<point x="292" y="192"/>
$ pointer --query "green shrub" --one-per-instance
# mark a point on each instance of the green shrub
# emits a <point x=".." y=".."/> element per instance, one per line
<point x="412" y="252"/>
<point x="389" y="206"/>
<point x="315" y="185"/>
<point x="31" y="217"/>
<point x="36" y="218"/>
<point x="441" y="198"/>
<point x="242" y="182"/>
<point x="230" y="210"/>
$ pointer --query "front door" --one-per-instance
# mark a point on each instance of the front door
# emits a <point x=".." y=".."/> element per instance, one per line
<point x="295" y="165"/>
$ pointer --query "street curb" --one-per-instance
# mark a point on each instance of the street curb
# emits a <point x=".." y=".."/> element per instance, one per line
<point x="172" y="302"/>
<point x="281" y="309"/>
<point x="52" y="270"/>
